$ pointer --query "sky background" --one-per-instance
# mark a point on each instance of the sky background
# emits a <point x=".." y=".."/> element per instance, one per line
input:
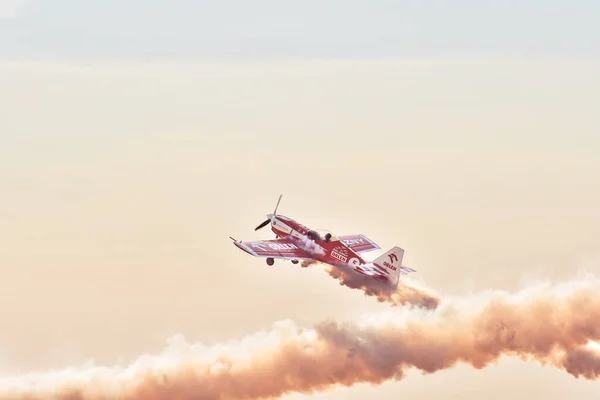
<point x="234" y="29"/>
<point x="136" y="137"/>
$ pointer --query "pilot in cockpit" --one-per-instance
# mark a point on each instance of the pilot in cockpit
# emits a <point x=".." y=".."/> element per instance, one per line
<point x="313" y="235"/>
<point x="328" y="237"/>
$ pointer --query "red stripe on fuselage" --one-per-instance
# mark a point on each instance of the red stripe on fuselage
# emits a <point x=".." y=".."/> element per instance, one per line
<point x="380" y="269"/>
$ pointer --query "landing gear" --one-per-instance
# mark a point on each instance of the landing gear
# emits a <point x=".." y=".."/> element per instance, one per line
<point x="294" y="261"/>
<point x="270" y="261"/>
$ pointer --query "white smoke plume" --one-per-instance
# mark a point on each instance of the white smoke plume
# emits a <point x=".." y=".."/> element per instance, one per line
<point x="311" y="246"/>
<point x="404" y="294"/>
<point x="548" y="324"/>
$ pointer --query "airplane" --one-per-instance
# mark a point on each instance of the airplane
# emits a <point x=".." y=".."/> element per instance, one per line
<point x="296" y="242"/>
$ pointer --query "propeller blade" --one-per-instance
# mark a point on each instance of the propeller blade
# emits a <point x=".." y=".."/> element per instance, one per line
<point x="265" y="223"/>
<point x="275" y="212"/>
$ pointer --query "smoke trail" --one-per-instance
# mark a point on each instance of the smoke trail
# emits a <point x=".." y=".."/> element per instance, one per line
<point x="404" y="294"/>
<point x="310" y="246"/>
<point x="552" y="325"/>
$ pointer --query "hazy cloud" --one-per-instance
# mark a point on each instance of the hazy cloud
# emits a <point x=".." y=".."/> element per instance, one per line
<point x="554" y="325"/>
<point x="11" y="8"/>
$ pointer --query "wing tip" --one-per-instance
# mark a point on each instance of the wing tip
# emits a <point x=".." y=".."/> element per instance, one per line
<point x="245" y="248"/>
<point x="407" y="269"/>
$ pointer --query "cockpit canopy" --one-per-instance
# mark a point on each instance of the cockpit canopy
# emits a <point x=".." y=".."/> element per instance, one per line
<point x="322" y="234"/>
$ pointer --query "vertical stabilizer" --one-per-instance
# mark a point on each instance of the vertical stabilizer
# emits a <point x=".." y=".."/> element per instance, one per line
<point x="391" y="261"/>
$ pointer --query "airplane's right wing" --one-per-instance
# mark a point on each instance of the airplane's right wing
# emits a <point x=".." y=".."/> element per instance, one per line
<point x="278" y="248"/>
<point x="359" y="243"/>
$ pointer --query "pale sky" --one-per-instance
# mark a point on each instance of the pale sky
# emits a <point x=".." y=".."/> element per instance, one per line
<point x="467" y="135"/>
<point x="233" y="29"/>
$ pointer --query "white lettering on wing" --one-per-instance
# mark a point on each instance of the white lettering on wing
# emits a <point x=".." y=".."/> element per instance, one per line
<point x="282" y="246"/>
<point x="258" y="246"/>
<point x="352" y="242"/>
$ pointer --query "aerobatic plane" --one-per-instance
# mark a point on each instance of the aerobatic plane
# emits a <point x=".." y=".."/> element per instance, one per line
<point x="296" y="242"/>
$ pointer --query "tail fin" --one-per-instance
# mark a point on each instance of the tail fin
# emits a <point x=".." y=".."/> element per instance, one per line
<point x="391" y="261"/>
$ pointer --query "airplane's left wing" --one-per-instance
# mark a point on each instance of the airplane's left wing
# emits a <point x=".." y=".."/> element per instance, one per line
<point x="359" y="243"/>
<point x="278" y="248"/>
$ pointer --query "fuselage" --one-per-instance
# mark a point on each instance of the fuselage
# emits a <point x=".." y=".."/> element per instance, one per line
<point x="322" y="245"/>
<point x="297" y="242"/>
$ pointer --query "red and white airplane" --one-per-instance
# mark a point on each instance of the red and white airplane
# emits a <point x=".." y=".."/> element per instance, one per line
<point x="297" y="242"/>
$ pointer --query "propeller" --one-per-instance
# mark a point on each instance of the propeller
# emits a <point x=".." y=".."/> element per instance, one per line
<point x="266" y="222"/>
<point x="275" y="212"/>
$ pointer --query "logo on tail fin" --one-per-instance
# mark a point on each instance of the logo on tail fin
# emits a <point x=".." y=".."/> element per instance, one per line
<point x="393" y="257"/>
<point x="388" y="265"/>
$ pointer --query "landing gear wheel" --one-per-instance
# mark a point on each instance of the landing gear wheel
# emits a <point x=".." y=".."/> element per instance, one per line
<point x="294" y="261"/>
<point x="270" y="261"/>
